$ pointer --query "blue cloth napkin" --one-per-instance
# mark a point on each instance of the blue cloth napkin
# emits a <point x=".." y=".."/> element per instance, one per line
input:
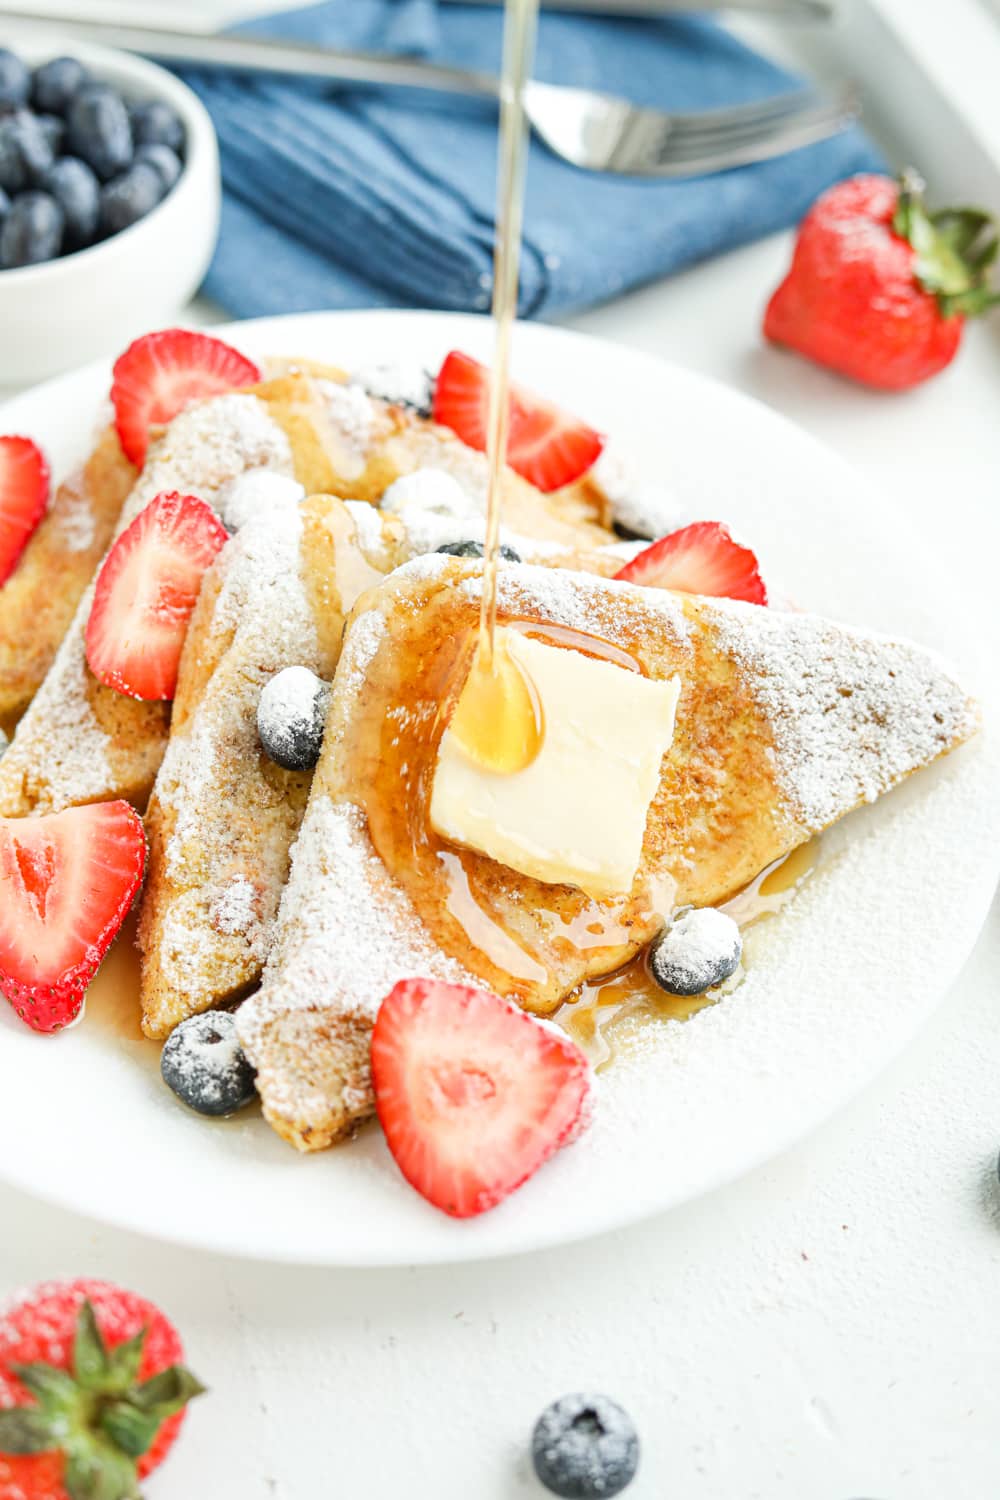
<point x="365" y="199"/>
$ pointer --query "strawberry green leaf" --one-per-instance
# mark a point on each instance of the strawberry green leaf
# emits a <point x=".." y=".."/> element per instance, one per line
<point x="123" y="1364"/>
<point x="954" y="250"/>
<point x="24" y="1430"/>
<point x="96" y="1470"/>
<point x="54" y="1389"/>
<point x="90" y="1357"/>
<point x="167" y="1392"/>
<point x="131" y="1430"/>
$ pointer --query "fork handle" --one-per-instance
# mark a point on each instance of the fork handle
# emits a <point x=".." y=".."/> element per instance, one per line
<point x="264" y="55"/>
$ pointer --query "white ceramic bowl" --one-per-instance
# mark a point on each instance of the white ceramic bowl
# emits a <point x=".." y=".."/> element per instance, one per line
<point x="61" y="313"/>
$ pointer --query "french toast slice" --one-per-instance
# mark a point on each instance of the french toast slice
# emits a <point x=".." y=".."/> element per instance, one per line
<point x="82" y="742"/>
<point x="222" y="817"/>
<point x="785" y="722"/>
<point x="39" y="598"/>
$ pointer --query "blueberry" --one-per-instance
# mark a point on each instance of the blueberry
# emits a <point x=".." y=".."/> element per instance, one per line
<point x="476" y="549"/>
<point x="699" y="949"/>
<point x="4" y="205"/>
<point x="32" y="231"/>
<point x="99" y="130"/>
<point x="77" y="191"/>
<point x="205" y="1065"/>
<point x="291" y="716"/>
<point x="55" y="83"/>
<point x="157" y="124"/>
<point x="15" y="80"/>
<point x="54" y="131"/>
<point x="128" y="198"/>
<point x="164" y="161"/>
<point x="25" y="152"/>
<point x="585" y="1446"/>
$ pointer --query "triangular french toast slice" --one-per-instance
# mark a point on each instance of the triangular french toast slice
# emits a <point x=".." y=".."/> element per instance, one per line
<point x="82" y="742"/>
<point x="38" y="600"/>
<point x="785" y="722"/>
<point x="222" y="816"/>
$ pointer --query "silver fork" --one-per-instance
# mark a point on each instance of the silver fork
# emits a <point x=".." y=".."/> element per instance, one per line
<point x="598" y="132"/>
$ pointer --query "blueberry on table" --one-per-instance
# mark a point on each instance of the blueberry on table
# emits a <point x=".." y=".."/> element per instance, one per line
<point x="15" y="80"/>
<point x="585" y="1447"/>
<point x="56" y="82"/>
<point x="205" y="1066"/>
<point x="701" y="948"/>
<point x="32" y="231"/>
<point x="476" y="549"/>
<point x="128" y="198"/>
<point x="76" y="189"/>
<point x="157" y="124"/>
<point x="291" y="716"/>
<point x="99" y="130"/>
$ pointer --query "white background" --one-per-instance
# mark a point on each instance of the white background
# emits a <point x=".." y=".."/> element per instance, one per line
<point x="829" y="1329"/>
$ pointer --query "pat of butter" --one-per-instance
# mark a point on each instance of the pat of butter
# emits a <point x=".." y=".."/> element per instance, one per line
<point x="577" y="814"/>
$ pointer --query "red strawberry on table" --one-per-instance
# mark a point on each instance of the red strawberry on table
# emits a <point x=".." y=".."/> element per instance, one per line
<point x="24" y="494"/>
<point x="699" y="559"/>
<point x="879" y="289"/>
<point x="473" y="1095"/>
<point x="548" y="447"/>
<point x="67" y="883"/>
<point x="159" y="374"/>
<point x="92" y="1392"/>
<point x="145" y="592"/>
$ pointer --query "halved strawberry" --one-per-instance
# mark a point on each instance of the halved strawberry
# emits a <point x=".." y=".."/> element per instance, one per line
<point x="146" y="589"/>
<point x="548" y="447"/>
<point x="699" y="559"/>
<point x="473" y="1094"/>
<point x="67" y="882"/>
<point x="24" y="494"/>
<point x="159" y="374"/>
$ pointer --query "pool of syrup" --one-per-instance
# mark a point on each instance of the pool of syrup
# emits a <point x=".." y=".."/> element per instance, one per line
<point x="598" y="1015"/>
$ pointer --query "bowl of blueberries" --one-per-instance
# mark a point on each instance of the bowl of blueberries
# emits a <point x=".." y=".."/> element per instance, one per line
<point x="109" y="203"/>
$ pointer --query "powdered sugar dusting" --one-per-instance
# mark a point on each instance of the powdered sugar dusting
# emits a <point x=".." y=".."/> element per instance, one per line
<point x="76" y="522"/>
<point x="233" y="910"/>
<point x="261" y="598"/>
<point x="637" y="504"/>
<point x="346" y="933"/>
<point x="202" y="449"/>
<point x="351" y="411"/>
<point x="852" y="712"/>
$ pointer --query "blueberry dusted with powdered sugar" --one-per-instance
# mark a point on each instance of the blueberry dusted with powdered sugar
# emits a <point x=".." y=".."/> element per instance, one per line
<point x="290" y="718"/>
<point x="476" y="549"/>
<point x="205" y="1066"/>
<point x="701" y="948"/>
<point x="585" y="1448"/>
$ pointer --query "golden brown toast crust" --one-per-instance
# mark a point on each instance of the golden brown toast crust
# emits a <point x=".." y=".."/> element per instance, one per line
<point x="38" y="600"/>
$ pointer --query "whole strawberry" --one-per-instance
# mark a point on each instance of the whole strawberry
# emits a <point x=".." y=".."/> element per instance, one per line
<point x="879" y="288"/>
<point x="92" y="1392"/>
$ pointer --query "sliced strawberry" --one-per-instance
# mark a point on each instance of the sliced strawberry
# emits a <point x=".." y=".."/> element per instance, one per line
<point x="473" y="1094"/>
<point x="160" y="374"/>
<point x="699" y="559"/>
<point x="67" y="882"/>
<point x="24" y="494"/>
<point x="146" y="589"/>
<point x="548" y="447"/>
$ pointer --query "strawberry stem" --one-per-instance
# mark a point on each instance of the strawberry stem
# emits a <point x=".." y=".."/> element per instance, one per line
<point x="954" y="250"/>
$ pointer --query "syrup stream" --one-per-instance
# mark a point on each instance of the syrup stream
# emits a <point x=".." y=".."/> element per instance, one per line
<point x="499" y="724"/>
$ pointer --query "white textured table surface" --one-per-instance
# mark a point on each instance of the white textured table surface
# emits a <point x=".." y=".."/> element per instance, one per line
<point x="828" y="1329"/>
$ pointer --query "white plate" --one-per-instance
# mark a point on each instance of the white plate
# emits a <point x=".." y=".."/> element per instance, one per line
<point x="838" y="982"/>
